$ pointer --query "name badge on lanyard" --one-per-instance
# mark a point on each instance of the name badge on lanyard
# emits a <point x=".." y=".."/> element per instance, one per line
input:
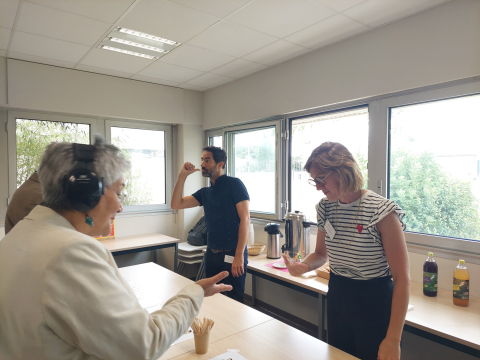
<point x="330" y="230"/>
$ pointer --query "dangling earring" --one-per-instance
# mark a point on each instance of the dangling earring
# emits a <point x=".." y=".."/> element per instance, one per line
<point x="88" y="220"/>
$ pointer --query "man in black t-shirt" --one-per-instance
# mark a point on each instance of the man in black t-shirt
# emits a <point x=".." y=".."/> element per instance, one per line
<point x="227" y="215"/>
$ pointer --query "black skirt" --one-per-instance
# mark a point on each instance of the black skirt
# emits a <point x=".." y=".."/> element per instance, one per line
<point x="358" y="314"/>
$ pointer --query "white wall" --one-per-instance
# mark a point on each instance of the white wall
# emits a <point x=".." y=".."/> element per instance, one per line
<point x="189" y="148"/>
<point x="3" y="81"/>
<point x="3" y="165"/>
<point x="48" y="88"/>
<point x="435" y="46"/>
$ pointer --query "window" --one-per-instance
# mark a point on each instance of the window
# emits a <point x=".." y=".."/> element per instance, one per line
<point x="417" y="147"/>
<point x="147" y="186"/>
<point x="434" y="166"/>
<point x="30" y="133"/>
<point x="215" y="141"/>
<point x="350" y="128"/>
<point x="253" y="157"/>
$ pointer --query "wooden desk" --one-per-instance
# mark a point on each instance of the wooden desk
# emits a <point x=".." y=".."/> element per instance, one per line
<point x="236" y="325"/>
<point x="272" y="340"/>
<point x="308" y="283"/>
<point x="139" y="243"/>
<point x="436" y="319"/>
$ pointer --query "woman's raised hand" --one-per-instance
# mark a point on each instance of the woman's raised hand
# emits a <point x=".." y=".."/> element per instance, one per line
<point x="295" y="269"/>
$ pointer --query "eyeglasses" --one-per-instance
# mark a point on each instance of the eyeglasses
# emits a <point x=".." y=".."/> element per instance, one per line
<point x="319" y="180"/>
<point x="121" y="196"/>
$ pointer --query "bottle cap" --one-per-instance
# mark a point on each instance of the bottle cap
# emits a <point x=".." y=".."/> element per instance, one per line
<point x="461" y="261"/>
<point x="430" y="254"/>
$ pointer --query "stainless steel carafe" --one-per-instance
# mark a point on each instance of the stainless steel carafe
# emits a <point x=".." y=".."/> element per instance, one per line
<point x="297" y="236"/>
<point x="273" y="241"/>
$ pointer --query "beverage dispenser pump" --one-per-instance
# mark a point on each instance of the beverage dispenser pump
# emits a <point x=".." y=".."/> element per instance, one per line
<point x="273" y="241"/>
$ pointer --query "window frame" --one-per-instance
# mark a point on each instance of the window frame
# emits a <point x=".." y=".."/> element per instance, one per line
<point x="280" y="143"/>
<point x="12" y="137"/>
<point x="130" y="210"/>
<point x="209" y="134"/>
<point x="379" y="166"/>
<point x="290" y="139"/>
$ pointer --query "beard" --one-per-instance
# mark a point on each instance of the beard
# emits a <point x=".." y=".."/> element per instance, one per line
<point x="209" y="173"/>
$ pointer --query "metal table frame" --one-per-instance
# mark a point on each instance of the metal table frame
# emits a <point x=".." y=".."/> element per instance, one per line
<point x="322" y="310"/>
<point x="152" y="248"/>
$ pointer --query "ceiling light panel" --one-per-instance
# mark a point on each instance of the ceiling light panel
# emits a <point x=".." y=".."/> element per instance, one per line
<point x="123" y="51"/>
<point x="147" y="36"/>
<point x="137" y="43"/>
<point x="142" y="46"/>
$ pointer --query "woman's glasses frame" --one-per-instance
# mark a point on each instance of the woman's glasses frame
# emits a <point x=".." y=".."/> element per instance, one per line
<point x="121" y="196"/>
<point x="319" y="180"/>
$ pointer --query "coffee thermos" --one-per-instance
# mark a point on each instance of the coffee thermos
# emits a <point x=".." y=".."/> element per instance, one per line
<point x="297" y="236"/>
<point x="273" y="241"/>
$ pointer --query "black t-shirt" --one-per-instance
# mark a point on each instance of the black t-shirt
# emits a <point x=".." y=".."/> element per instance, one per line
<point x="220" y="205"/>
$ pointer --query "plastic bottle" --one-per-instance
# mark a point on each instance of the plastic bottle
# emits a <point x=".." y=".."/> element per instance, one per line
<point x="461" y="278"/>
<point x="430" y="276"/>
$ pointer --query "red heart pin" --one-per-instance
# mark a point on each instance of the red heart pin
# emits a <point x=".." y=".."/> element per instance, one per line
<point x="359" y="228"/>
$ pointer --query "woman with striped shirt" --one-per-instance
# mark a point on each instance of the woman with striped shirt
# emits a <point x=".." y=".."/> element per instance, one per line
<point x="361" y="234"/>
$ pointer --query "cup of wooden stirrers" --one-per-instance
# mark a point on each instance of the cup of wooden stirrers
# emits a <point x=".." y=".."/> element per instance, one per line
<point x="201" y="334"/>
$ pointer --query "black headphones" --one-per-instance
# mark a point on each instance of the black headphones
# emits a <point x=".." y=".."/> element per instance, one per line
<point x="82" y="186"/>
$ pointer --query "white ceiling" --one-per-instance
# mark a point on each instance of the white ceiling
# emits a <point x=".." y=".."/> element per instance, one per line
<point x="222" y="40"/>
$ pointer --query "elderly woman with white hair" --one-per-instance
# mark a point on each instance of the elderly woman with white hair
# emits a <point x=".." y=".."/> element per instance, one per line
<point x="61" y="294"/>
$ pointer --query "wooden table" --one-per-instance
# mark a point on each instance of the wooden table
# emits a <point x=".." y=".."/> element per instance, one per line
<point x="272" y="340"/>
<point x="308" y="283"/>
<point x="436" y="319"/>
<point x="139" y="243"/>
<point x="258" y="336"/>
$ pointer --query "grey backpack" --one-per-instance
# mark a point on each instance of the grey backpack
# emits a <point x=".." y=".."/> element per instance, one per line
<point x="198" y="235"/>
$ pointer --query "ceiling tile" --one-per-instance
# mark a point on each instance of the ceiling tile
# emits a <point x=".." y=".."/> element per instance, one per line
<point x="4" y="38"/>
<point x="379" y="12"/>
<point x="193" y="57"/>
<point x="103" y="71"/>
<point x="192" y="87"/>
<point x="99" y="9"/>
<point x="238" y="68"/>
<point x="325" y="32"/>
<point x="8" y="11"/>
<point x="279" y="51"/>
<point x="340" y="5"/>
<point x="115" y="61"/>
<point x="213" y="7"/>
<point x="3" y="53"/>
<point x="280" y="17"/>
<point x="209" y="80"/>
<point x="167" y="19"/>
<point x="47" y="47"/>
<point x="170" y="72"/>
<point x="45" y="21"/>
<point x="40" y="60"/>
<point x="232" y="39"/>
<point x="154" y="80"/>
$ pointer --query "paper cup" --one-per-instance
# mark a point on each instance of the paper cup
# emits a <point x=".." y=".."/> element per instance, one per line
<point x="201" y="343"/>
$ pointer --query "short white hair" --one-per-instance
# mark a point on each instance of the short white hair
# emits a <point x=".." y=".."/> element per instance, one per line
<point x="57" y="160"/>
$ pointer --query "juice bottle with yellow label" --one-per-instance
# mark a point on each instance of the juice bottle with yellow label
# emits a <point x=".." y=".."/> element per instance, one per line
<point x="461" y="278"/>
